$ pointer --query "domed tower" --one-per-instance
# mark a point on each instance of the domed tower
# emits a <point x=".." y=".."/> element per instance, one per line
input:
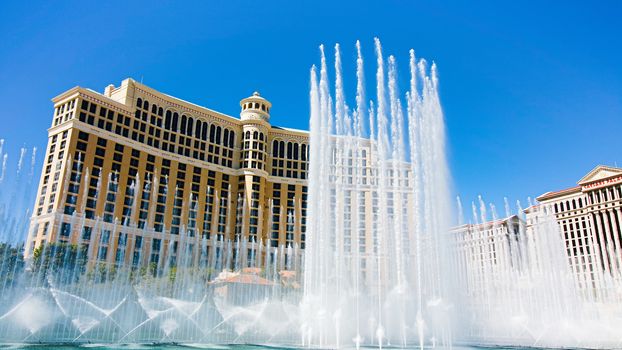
<point x="255" y="107"/>
<point x="255" y="117"/>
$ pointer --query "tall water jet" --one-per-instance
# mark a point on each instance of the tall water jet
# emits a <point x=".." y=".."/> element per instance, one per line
<point x="378" y="212"/>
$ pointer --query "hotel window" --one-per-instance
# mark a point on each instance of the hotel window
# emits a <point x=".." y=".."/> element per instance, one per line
<point x="182" y="126"/>
<point x="167" y="122"/>
<point x="175" y="122"/>
<point x="65" y="229"/>
<point x="189" y="126"/>
<point x="121" y="243"/>
<point x="155" y="251"/>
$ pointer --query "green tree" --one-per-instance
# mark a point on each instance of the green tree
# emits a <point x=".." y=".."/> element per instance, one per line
<point x="11" y="264"/>
<point x="62" y="262"/>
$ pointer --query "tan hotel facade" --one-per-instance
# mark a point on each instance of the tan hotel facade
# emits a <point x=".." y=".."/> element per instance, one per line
<point x="129" y="170"/>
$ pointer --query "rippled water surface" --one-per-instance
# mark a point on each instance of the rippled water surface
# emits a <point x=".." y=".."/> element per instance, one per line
<point x="136" y="347"/>
<point x="194" y="346"/>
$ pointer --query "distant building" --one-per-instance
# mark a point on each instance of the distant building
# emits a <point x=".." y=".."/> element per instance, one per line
<point x="486" y="251"/>
<point x="589" y="216"/>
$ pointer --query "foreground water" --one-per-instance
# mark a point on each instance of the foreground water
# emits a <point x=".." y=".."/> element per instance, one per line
<point x="196" y="346"/>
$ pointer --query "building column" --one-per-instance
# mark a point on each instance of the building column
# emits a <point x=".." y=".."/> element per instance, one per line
<point x="615" y="251"/>
<point x="595" y="258"/>
<point x="587" y="256"/>
<point x="610" y="249"/>
<point x="599" y="231"/>
<point x="615" y="220"/>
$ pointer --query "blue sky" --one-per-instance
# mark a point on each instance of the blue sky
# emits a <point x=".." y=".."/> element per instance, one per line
<point x="532" y="91"/>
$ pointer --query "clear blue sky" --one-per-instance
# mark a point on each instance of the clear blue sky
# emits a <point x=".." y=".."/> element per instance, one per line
<point x="532" y="91"/>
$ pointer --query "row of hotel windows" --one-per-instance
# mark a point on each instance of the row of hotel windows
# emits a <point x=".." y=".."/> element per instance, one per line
<point x="252" y="157"/>
<point x="53" y="154"/>
<point x="597" y="196"/>
<point x="175" y="128"/>
<point x="218" y="141"/>
<point x="289" y="214"/>
<point x="587" y="243"/>
<point x="292" y="163"/>
<point x="111" y="191"/>
<point x="256" y="105"/>
<point x="103" y="238"/>
<point x="606" y="194"/>
<point x="253" y="150"/>
<point x="222" y="140"/>
<point x="575" y="233"/>
<point x="564" y="206"/>
<point x="99" y="243"/>
<point x="112" y="187"/>
<point x="186" y="125"/>
<point x="64" y="112"/>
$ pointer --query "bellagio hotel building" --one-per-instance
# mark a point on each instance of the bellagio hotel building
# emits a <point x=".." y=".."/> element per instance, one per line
<point x="130" y="170"/>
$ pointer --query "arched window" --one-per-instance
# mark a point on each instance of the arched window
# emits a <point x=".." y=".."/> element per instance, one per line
<point x="275" y="148"/>
<point x="296" y="151"/>
<point x="289" y="150"/>
<point x="303" y="152"/>
<point x="580" y="203"/>
<point x="167" y="120"/>
<point x="139" y="102"/>
<point x="160" y="111"/>
<point x="231" y="139"/>
<point x="204" y="132"/>
<point x="556" y="208"/>
<point x="218" y="130"/>
<point x="225" y="137"/>
<point x="175" y="121"/>
<point x="263" y="107"/>
<point x="282" y="149"/>
<point x="154" y="109"/>
<point x="212" y="133"/>
<point x="255" y="135"/>
<point x="261" y="136"/>
<point x="190" y="125"/>
<point x="197" y="130"/>
<point x="574" y="204"/>
<point x="146" y="105"/>
<point x="256" y="105"/>
<point x="182" y="127"/>
<point x="247" y="136"/>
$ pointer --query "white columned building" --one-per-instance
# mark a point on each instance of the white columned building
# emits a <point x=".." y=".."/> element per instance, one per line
<point x="589" y="216"/>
